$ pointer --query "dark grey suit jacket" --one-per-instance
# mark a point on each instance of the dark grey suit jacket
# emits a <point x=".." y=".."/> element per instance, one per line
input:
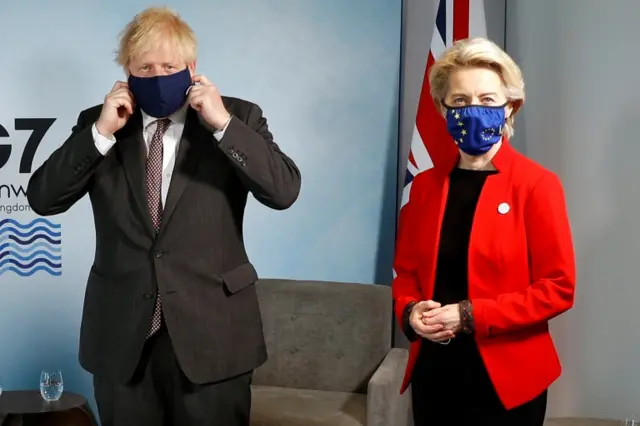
<point x="198" y="260"/>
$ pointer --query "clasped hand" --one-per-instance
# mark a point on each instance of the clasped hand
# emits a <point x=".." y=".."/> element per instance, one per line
<point x="435" y="322"/>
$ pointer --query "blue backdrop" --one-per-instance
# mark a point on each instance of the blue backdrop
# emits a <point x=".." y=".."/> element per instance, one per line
<point x="325" y="72"/>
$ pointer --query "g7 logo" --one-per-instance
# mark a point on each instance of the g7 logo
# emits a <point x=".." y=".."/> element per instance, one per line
<point x="39" y="128"/>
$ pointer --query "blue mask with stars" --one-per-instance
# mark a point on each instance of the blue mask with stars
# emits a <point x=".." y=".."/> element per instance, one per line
<point x="476" y="128"/>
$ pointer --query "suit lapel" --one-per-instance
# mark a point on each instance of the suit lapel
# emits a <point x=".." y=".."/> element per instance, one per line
<point x="132" y="150"/>
<point x="185" y="167"/>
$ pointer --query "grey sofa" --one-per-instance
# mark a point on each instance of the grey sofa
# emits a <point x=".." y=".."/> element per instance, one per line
<point x="330" y="357"/>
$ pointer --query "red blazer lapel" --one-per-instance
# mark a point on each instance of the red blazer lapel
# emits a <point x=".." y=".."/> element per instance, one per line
<point x="433" y="207"/>
<point x="491" y="234"/>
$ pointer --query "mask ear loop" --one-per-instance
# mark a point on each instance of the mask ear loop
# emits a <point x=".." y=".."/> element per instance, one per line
<point x="191" y="87"/>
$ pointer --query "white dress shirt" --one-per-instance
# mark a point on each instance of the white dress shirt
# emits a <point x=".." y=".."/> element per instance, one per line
<point x="170" y="142"/>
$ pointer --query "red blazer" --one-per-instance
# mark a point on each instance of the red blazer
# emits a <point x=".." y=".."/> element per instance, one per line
<point x="521" y="268"/>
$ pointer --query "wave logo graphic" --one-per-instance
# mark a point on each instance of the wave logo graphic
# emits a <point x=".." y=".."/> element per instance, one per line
<point x="30" y="247"/>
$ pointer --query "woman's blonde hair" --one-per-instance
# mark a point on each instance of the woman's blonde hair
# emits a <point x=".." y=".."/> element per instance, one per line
<point x="478" y="52"/>
<point x="153" y="25"/>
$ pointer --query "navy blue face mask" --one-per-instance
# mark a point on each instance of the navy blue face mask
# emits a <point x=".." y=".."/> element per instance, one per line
<point x="476" y="128"/>
<point x="162" y="95"/>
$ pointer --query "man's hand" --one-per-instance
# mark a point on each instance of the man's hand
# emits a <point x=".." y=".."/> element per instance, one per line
<point x="434" y="332"/>
<point x="205" y="98"/>
<point x="116" y="110"/>
<point x="447" y="316"/>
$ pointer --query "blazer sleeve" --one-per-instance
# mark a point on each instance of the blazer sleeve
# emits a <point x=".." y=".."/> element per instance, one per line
<point x="551" y="263"/>
<point x="266" y="172"/>
<point x="65" y="176"/>
<point x="405" y="287"/>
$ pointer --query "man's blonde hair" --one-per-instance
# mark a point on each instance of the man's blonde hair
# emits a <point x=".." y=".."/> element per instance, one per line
<point x="153" y="25"/>
<point x="483" y="53"/>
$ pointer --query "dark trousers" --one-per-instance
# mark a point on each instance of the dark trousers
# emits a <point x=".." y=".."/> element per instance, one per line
<point x="451" y="387"/>
<point x="463" y="410"/>
<point x="160" y="395"/>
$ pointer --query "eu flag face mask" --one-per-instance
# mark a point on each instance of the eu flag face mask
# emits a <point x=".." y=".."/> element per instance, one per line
<point x="162" y="95"/>
<point x="476" y="128"/>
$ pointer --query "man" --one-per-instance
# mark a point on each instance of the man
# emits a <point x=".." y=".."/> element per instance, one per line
<point x="171" y="327"/>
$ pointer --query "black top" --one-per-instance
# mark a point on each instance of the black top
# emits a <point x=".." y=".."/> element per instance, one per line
<point x="451" y="284"/>
<point x="460" y="359"/>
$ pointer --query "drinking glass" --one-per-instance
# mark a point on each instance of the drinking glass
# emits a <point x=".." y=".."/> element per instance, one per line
<point x="0" y="385"/>
<point x="51" y="385"/>
<point x="631" y="421"/>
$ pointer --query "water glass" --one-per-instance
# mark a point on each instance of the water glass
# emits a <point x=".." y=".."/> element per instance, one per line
<point x="51" y="385"/>
<point x="631" y="421"/>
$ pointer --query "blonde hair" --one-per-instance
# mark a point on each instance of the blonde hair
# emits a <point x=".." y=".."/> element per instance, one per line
<point x="483" y="53"/>
<point x="152" y="25"/>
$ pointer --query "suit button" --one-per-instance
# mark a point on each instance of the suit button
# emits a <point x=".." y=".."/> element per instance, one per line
<point x="158" y="254"/>
<point x="148" y="295"/>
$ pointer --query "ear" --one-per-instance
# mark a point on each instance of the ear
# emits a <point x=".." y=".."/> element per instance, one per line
<point x="192" y="68"/>
<point x="512" y="108"/>
<point x="508" y="110"/>
<point x="440" y="107"/>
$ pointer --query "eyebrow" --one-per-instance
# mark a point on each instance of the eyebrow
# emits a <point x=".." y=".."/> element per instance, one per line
<point x="482" y="95"/>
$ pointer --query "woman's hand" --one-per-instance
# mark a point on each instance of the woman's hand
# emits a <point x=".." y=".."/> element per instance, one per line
<point x="435" y="332"/>
<point x="447" y="317"/>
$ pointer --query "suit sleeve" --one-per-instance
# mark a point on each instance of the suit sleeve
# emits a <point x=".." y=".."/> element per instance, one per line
<point x="405" y="286"/>
<point x="65" y="176"/>
<point x="551" y="264"/>
<point x="271" y="176"/>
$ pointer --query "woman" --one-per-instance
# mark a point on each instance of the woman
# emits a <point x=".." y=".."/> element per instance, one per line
<point x="484" y="257"/>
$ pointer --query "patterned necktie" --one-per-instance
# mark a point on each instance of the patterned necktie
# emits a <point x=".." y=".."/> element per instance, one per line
<point x="154" y="198"/>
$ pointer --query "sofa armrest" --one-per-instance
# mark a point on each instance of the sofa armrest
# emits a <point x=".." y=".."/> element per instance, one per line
<point x="385" y="405"/>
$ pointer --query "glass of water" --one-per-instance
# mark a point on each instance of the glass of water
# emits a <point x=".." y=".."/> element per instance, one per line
<point x="51" y="385"/>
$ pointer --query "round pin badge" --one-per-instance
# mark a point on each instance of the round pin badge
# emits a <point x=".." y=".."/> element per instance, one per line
<point x="503" y="208"/>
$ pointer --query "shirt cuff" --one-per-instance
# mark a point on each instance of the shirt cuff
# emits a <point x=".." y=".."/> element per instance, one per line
<point x="103" y="143"/>
<point x="219" y="134"/>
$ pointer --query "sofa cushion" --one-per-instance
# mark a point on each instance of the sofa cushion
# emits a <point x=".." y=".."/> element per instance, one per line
<point x="274" y="406"/>
<point x="323" y="335"/>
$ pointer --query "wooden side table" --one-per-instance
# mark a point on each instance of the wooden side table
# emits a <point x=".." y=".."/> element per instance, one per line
<point x="27" y="408"/>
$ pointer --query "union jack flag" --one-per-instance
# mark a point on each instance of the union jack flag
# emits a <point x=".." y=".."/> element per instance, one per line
<point x="455" y="20"/>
